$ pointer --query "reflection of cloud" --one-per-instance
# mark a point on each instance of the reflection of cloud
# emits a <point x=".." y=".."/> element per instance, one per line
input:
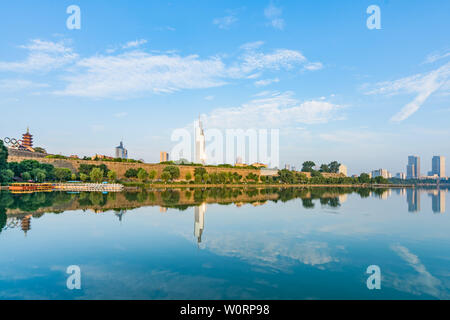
<point x="423" y="283"/>
<point x="275" y="252"/>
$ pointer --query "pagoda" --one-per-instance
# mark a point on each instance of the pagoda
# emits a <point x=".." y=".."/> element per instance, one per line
<point x="27" y="140"/>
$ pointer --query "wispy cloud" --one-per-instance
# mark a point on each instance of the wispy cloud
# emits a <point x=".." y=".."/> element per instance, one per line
<point x="138" y="72"/>
<point x="134" y="44"/>
<point x="120" y="114"/>
<point x="225" y="22"/>
<point x="273" y="110"/>
<point x="273" y="14"/>
<point x="433" y="57"/>
<point x="423" y="85"/>
<point x="266" y="82"/>
<point x="42" y="56"/>
<point x="20" y="84"/>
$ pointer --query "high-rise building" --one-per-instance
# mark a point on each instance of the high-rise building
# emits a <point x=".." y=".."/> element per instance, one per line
<point x="413" y="168"/>
<point x="163" y="156"/>
<point x="121" y="152"/>
<point x="200" y="144"/>
<point x="342" y="169"/>
<point x="438" y="166"/>
<point x="401" y="176"/>
<point x="287" y="166"/>
<point x="381" y="173"/>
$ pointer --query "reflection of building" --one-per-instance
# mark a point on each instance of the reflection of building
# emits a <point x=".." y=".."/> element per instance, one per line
<point x="413" y="198"/>
<point x="26" y="224"/>
<point x="199" y="224"/>
<point x="120" y="214"/>
<point x="342" y="198"/>
<point x="121" y="152"/>
<point x="413" y="168"/>
<point x="163" y="156"/>
<point x="438" y="166"/>
<point x="438" y="201"/>
<point x="162" y="209"/>
<point x="200" y="144"/>
<point x="386" y="194"/>
<point x="342" y="170"/>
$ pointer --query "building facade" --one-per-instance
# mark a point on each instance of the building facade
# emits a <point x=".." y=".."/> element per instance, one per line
<point x="381" y="173"/>
<point x="413" y="168"/>
<point x="438" y="166"/>
<point x="200" y="143"/>
<point x="342" y="170"/>
<point x="121" y="152"/>
<point x="163" y="156"/>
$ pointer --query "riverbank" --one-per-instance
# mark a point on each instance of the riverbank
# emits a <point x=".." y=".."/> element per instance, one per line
<point x="137" y="186"/>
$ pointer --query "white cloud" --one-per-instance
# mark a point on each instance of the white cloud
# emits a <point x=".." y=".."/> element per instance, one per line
<point x="136" y="72"/>
<point x="273" y="14"/>
<point x="266" y="82"/>
<point x="20" y="84"/>
<point x="423" y="85"/>
<point x="134" y="44"/>
<point x="225" y="22"/>
<point x="42" y="56"/>
<point x="436" y="56"/>
<point x="209" y="98"/>
<point x="120" y="114"/>
<point x="312" y="66"/>
<point x="275" y="110"/>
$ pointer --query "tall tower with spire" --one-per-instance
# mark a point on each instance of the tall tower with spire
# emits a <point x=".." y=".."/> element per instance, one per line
<point x="200" y="143"/>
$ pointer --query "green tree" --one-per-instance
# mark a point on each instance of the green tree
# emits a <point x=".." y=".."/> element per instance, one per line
<point x="96" y="175"/>
<point x="188" y="176"/>
<point x="198" y="178"/>
<point x="200" y="170"/>
<point x="165" y="176"/>
<point x="334" y="167"/>
<point x="6" y="176"/>
<point x="364" y="178"/>
<point x="112" y="176"/>
<point x="205" y="177"/>
<point x="324" y="168"/>
<point x="152" y="175"/>
<point x="63" y="174"/>
<point x="308" y="166"/>
<point x="131" y="173"/>
<point x="3" y="156"/>
<point x="174" y="172"/>
<point x="84" y="177"/>
<point x="142" y="175"/>
<point x="40" y="150"/>
<point x="26" y="176"/>
<point x="73" y="177"/>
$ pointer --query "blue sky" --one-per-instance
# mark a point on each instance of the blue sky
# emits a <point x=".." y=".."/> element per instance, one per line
<point x="137" y="70"/>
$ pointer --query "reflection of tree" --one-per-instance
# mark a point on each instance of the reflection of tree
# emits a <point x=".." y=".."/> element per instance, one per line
<point x="97" y="198"/>
<point x="131" y="196"/>
<point x="307" y="203"/>
<point x="170" y="197"/>
<point x="2" y="218"/>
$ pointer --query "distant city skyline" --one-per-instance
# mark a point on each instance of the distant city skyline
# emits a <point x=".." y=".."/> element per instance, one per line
<point x="308" y="72"/>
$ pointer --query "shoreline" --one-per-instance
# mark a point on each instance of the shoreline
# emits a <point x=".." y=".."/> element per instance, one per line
<point x="185" y="186"/>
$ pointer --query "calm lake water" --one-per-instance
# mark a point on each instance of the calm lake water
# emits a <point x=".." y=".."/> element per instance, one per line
<point x="226" y="244"/>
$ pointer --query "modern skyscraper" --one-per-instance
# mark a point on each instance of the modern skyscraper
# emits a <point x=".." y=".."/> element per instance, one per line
<point x="438" y="166"/>
<point x="121" y="152"/>
<point x="413" y="168"/>
<point x="381" y="173"/>
<point x="200" y="144"/>
<point x="163" y="156"/>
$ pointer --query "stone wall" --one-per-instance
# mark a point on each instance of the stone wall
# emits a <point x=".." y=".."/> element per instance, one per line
<point x="121" y="167"/>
